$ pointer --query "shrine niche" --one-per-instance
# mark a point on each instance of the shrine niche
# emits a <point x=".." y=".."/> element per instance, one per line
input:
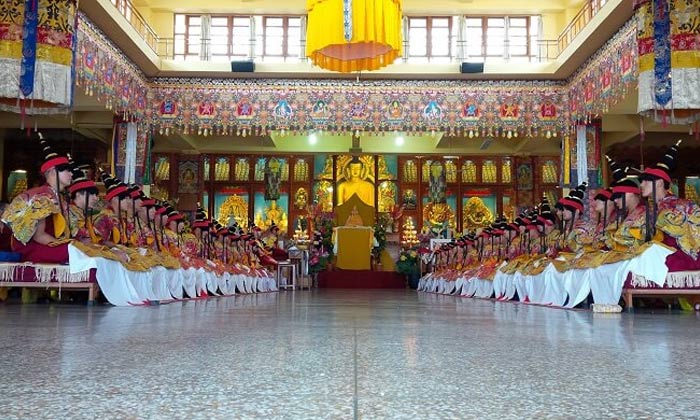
<point x="269" y="212"/>
<point x="233" y="209"/>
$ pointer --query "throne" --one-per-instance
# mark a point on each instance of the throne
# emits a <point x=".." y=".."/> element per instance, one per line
<point x="353" y="236"/>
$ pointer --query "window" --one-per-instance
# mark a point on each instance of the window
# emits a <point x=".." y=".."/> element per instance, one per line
<point x="429" y="39"/>
<point x="187" y="37"/>
<point x="281" y="37"/>
<point x="509" y="37"/>
<point x="234" y="37"/>
<point x="230" y="37"/>
<point x="124" y="7"/>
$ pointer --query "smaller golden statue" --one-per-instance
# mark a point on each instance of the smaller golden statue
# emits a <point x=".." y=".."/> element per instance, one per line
<point x="301" y="198"/>
<point x="354" y="219"/>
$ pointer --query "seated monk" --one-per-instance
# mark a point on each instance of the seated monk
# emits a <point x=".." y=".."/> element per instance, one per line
<point x="37" y="217"/>
<point x="83" y="193"/>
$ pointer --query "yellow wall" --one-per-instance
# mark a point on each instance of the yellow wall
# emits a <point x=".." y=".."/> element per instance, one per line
<point x="552" y="25"/>
<point x="163" y="23"/>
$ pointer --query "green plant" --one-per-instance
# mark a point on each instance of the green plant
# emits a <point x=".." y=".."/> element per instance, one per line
<point x="407" y="264"/>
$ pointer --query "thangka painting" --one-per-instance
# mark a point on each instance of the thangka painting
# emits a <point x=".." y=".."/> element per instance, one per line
<point x="524" y="177"/>
<point x="188" y="177"/>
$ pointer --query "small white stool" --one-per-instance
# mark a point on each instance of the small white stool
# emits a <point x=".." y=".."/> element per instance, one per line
<point x="291" y="268"/>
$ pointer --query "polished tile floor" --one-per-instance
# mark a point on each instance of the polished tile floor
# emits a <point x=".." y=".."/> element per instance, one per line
<point x="344" y="354"/>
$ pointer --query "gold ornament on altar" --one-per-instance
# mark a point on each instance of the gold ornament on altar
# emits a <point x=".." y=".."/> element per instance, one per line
<point x="409" y="237"/>
<point x="301" y="237"/>
<point x="242" y="169"/>
<point x="410" y="171"/>
<point x="234" y="206"/>
<point x="301" y="171"/>
<point x="476" y="214"/>
<point x="222" y="169"/>
<point x="353" y="36"/>
<point x="162" y="169"/>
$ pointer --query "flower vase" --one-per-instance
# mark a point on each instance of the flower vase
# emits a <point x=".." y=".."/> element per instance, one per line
<point x="413" y="279"/>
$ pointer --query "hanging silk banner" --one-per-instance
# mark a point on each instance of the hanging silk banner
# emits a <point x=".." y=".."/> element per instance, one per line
<point x="582" y="159"/>
<point x="668" y="45"/>
<point x="130" y="147"/>
<point x="37" y="50"/>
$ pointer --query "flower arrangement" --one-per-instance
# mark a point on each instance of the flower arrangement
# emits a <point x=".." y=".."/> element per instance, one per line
<point x="380" y="239"/>
<point x="321" y="252"/>
<point x="407" y="263"/>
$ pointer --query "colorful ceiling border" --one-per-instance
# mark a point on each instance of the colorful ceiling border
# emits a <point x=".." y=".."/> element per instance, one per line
<point x="458" y="108"/>
<point x="606" y="77"/>
<point x="103" y="71"/>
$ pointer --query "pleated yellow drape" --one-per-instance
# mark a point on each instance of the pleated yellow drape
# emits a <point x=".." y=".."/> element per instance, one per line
<point x="376" y="34"/>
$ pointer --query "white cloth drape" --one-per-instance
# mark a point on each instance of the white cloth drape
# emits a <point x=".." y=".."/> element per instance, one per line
<point x="130" y="162"/>
<point x="581" y="155"/>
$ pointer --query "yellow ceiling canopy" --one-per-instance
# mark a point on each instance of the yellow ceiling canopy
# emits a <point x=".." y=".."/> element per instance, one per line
<point x="353" y="35"/>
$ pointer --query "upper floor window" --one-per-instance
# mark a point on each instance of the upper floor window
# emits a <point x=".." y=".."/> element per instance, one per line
<point x="187" y="37"/>
<point x="281" y="37"/>
<point x="237" y="37"/>
<point x="510" y="37"/>
<point x="429" y="39"/>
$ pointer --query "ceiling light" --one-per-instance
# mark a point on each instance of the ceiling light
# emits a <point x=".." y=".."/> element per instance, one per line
<point x="313" y="139"/>
<point x="399" y="141"/>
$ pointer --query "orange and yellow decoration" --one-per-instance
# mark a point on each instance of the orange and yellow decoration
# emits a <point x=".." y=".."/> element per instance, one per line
<point x="353" y="35"/>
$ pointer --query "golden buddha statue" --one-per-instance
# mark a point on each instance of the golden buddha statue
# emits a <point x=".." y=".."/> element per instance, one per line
<point x="355" y="184"/>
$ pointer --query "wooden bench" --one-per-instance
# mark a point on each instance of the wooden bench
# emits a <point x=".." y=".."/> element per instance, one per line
<point x="628" y="293"/>
<point x="48" y="276"/>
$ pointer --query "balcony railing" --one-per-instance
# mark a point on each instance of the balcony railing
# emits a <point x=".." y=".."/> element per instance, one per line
<point x="126" y="8"/>
<point x="589" y="9"/>
<point x="542" y="50"/>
